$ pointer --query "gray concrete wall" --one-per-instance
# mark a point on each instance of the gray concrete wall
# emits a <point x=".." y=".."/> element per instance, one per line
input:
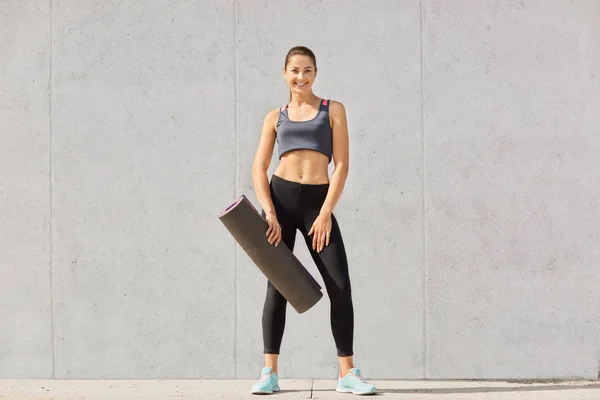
<point x="470" y="214"/>
<point x="26" y="298"/>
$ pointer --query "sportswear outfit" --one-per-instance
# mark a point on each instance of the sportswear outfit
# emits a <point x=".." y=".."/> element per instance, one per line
<point x="297" y="206"/>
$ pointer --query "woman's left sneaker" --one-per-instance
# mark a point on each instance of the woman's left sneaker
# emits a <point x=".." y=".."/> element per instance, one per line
<point x="355" y="384"/>
<point x="268" y="382"/>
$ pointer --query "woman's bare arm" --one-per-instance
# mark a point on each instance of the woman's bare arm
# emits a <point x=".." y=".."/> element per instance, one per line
<point x="262" y="160"/>
<point x="341" y="156"/>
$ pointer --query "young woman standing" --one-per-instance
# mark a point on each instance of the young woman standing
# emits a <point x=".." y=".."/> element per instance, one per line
<point x="310" y="133"/>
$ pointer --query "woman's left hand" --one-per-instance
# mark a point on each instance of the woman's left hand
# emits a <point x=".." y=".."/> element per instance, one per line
<point x="321" y="230"/>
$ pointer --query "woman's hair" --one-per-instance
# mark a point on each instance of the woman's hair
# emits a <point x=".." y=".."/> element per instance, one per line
<point x="302" y="51"/>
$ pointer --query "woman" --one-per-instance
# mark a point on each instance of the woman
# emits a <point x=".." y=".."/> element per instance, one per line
<point x="310" y="133"/>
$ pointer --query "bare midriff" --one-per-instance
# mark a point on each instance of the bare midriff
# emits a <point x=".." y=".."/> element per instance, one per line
<point x="304" y="166"/>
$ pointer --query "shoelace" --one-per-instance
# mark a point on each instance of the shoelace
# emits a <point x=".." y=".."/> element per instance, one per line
<point x="264" y="378"/>
<point x="360" y="378"/>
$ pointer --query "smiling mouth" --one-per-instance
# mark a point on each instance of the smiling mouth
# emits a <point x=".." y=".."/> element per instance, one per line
<point x="300" y="85"/>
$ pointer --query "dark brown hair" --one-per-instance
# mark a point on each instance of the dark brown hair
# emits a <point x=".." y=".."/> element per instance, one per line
<point x="301" y="51"/>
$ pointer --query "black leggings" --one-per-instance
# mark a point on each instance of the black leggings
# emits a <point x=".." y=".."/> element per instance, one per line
<point x="297" y="206"/>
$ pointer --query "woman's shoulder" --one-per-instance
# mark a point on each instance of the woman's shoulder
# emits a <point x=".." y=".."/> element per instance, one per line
<point x="272" y="114"/>
<point x="336" y="107"/>
<point x="271" y="118"/>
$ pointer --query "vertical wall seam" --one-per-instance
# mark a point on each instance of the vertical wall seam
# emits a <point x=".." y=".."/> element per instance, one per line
<point x="423" y="195"/>
<point x="51" y="196"/>
<point x="236" y="183"/>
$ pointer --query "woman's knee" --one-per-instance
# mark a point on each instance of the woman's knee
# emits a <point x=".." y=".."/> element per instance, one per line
<point x="341" y="299"/>
<point x="274" y="300"/>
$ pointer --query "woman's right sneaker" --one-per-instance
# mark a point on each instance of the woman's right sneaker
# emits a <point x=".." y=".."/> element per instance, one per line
<point x="354" y="383"/>
<point x="268" y="382"/>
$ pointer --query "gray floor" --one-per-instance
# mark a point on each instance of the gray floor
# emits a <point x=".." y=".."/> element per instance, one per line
<point x="15" y="389"/>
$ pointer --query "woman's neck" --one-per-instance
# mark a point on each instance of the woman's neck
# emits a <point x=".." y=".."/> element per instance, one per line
<point x="302" y="99"/>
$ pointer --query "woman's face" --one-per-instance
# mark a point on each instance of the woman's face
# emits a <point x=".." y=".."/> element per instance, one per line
<point x="300" y="74"/>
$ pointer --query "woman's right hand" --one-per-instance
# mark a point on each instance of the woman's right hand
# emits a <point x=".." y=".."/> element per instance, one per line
<point x="274" y="230"/>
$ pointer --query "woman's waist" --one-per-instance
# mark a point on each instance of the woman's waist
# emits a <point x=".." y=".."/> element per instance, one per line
<point x="304" y="166"/>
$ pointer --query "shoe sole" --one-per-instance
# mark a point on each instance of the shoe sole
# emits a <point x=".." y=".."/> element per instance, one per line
<point x="353" y="392"/>
<point x="265" y="392"/>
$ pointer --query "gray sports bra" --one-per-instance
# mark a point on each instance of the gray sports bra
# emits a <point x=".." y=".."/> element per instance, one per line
<point x="314" y="134"/>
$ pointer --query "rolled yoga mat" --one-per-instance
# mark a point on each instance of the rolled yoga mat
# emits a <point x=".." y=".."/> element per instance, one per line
<point x="278" y="264"/>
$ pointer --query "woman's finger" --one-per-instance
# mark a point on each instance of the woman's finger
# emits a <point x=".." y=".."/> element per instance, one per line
<point x="277" y="238"/>
<point x="274" y="232"/>
<point x="271" y="232"/>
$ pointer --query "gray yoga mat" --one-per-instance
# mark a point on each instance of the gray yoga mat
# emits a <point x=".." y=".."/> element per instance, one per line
<point x="278" y="264"/>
